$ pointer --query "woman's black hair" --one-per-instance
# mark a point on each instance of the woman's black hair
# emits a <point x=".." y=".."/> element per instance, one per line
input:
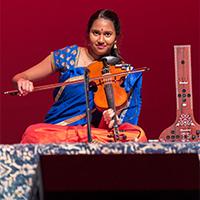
<point x="111" y="16"/>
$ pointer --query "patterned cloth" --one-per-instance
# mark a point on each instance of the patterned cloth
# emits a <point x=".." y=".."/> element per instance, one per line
<point x="18" y="162"/>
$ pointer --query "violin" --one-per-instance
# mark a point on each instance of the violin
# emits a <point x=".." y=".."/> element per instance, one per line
<point x="108" y="91"/>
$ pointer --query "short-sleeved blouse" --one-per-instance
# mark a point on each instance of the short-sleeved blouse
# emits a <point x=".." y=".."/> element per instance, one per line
<point x="69" y="107"/>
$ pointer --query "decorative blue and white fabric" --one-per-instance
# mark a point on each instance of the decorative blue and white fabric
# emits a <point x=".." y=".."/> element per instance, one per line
<point x="18" y="162"/>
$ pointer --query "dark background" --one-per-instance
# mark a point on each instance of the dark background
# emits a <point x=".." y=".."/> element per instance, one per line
<point x="30" y="30"/>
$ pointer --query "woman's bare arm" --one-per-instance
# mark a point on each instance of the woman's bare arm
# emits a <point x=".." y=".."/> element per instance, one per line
<point x="24" y="81"/>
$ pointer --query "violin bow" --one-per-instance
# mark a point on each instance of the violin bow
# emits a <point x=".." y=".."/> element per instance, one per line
<point x="55" y="85"/>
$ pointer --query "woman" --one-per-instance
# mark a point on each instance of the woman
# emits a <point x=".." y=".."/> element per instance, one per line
<point x="69" y="107"/>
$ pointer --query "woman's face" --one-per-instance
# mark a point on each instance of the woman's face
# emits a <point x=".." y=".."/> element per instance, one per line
<point x="102" y="37"/>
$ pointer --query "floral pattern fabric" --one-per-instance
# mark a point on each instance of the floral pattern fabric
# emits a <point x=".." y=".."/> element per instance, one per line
<point x="18" y="162"/>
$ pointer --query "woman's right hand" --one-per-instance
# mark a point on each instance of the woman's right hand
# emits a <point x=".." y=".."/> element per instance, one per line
<point x="24" y="86"/>
<point x="24" y="81"/>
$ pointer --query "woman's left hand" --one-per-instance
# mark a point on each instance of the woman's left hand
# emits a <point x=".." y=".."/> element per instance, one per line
<point x="108" y="117"/>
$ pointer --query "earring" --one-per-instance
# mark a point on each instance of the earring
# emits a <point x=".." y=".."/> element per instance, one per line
<point x="115" y="45"/>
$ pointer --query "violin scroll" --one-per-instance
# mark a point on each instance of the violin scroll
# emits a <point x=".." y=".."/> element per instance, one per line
<point x="111" y="60"/>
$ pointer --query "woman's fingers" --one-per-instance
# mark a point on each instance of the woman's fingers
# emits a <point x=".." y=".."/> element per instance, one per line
<point x="24" y="87"/>
<point x="108" y="117"/>
<point x="110" y="125"/>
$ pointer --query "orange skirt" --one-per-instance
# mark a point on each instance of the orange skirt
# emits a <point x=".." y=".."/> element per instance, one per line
<point x="50" y="133"/>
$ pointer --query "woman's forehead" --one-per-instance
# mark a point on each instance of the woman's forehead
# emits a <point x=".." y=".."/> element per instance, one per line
<point x="103" y="24"/>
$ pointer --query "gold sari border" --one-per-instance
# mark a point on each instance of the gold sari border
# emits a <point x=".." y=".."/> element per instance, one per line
<point x="53" y="62"/>
<point x="70" y="79"/>
<point x="63" y="87"/>
<point x="73" y="119"/>
<point x="77" y="56"/>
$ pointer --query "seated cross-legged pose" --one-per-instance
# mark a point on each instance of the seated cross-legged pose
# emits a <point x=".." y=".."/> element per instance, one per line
<point x="66" y="120"/>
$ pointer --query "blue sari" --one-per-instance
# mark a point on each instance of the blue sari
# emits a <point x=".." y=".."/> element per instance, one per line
<point x="70" y="102"/>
